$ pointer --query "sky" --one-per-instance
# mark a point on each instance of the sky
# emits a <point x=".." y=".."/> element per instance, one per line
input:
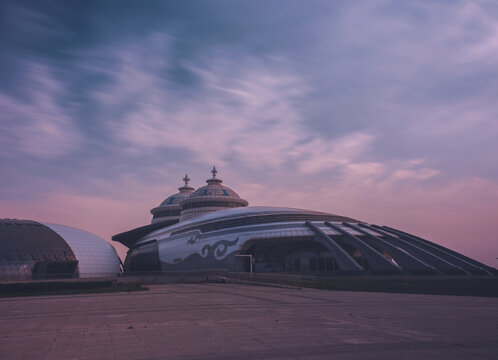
<point x="384" y="111"/>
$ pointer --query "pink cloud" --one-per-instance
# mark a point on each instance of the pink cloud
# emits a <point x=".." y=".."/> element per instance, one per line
<point x="101" y="216"/>
<point x="460" y="215"/>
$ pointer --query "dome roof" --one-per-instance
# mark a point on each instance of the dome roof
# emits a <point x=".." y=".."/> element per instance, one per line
<point x="36" y="250"/>
<point x="170" y="208"/>
<point x="210" y="197"/>
<point x="184" y="193"/>
<point x="214" y="188"/>
<point x="174" y="199"/>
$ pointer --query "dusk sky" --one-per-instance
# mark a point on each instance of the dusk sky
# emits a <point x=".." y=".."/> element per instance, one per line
<point x="384" y="111"/>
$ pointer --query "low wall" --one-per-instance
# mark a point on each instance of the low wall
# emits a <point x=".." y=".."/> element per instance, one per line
<point x="437" y="285"/>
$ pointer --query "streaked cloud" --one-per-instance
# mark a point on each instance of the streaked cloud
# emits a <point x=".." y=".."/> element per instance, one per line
<point x="380" y="110"/>
<point x="36" y="124"/>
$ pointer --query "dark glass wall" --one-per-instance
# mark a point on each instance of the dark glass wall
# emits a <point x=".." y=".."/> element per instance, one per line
<point x="31" y="250"/>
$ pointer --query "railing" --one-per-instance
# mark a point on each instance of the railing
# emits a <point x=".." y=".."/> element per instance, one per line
<point x="278" y="278"/>
<point x="143" y="277"/>
<point x="444" y="285"/>
<point x="12" y="277"/>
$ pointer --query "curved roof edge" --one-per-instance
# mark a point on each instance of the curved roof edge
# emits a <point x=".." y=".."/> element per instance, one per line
<point x="129" y="238"/>
<point x="96" y="257"/>
<point x="247" y="211"/>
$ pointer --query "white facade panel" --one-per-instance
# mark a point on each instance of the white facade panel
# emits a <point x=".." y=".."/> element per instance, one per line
<point x="96" y="257"/>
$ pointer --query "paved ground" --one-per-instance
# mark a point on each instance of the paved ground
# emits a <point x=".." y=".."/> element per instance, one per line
<point x="248" y="322"/>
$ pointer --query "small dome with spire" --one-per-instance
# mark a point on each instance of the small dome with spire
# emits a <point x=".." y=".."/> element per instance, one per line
<point x="170" y="209"/>
<point x="210" y="197"/>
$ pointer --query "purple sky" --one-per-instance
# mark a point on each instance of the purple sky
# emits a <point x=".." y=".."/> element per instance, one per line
<point x="384" y="111"/>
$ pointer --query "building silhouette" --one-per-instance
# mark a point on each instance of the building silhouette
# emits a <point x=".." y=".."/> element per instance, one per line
<point x="214" y="228"/>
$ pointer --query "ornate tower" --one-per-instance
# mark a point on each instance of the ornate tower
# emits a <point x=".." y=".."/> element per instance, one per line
<point x="170" y="208"/>
<point x="211" y="197"/>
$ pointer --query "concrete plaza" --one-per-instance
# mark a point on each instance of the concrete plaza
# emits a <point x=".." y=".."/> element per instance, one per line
<point x="217" y="321"/>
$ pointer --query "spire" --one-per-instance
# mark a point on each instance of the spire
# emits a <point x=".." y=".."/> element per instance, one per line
<point x="214" y="180"/>
<point x="186" y="179"/>
<point x="185" y="189"/>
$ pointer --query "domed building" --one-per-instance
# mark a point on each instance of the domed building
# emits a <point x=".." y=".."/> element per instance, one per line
<point x="212" y="197"/>
<point x="218" y="230"/>
<point x="170" y="209"/>
<point x="36" y="250"/>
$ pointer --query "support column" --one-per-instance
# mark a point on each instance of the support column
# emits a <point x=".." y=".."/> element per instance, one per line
<point x="467" y="263"/>
<point x="378" y="262"/>
<point x="427" y="257"/>
<point x="345" y="262"/>
<point x="406" y="261"/>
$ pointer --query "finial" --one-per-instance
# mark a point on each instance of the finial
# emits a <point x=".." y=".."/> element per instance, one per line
<point x="214" y="172"/>
<point x="186" y="179"/>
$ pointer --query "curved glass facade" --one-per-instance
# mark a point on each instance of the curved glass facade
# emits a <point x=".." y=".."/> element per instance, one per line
<point x="96" y="257"/>
<point x="29" y="250"/>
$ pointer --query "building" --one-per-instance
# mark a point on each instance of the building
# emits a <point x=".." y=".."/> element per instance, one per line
<point x="36" y="250"/>
<point x="214" y="228"/>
